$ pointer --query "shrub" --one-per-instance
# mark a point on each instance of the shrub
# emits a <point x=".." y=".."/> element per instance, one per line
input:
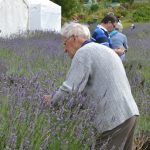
<point x="94" y="7"/>
<point x="141" y="14"/>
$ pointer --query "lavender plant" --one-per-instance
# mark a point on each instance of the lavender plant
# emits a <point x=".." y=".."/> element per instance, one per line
<point x="29" y="124"/>
<point x="137" y="66"/>
<point x="35" y="64"/>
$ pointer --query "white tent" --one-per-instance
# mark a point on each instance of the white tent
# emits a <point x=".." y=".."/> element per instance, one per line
<point x="22" y="15"/>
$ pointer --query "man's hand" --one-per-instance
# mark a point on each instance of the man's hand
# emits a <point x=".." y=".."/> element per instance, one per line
<point x="119" y="51"/>
<point x="46" y="99"/>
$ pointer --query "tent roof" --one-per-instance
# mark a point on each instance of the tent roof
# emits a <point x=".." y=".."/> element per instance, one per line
<point x="42" y="2"/>
<point x="23" y="15"/>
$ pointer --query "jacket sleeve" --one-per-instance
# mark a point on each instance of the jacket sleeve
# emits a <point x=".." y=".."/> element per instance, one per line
<point x="76" y="80"/>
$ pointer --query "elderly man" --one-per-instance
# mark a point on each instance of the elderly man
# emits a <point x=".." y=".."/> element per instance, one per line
<point x="97" y="71"/>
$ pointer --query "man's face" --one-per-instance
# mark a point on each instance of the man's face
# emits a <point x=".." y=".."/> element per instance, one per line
<point x="69" y="46"/>
<point x="111" y="26"/>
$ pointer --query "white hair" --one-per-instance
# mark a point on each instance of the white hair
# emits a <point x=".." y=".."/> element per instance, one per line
<point x="75" y="29"/>
<point x="119" y="26"/>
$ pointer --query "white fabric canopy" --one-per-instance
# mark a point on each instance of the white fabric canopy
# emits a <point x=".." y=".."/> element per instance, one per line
<point x="22" y="15"/>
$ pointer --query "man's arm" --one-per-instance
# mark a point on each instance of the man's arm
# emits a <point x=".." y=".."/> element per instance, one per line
<point x="76" y="81"/>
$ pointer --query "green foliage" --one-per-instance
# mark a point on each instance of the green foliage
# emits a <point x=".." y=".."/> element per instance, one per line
<point x="144" y="123"/>
<point x="131" y="12"/>
<point x="141" y="13"/>
<point x="126" y="1"/>
<point x="69" y="7"/>
<point x="94" y="7"/>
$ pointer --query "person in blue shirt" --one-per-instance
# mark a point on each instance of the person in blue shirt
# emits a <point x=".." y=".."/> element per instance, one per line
<point x="119" y="40"/>
<point x="101" y="33"/>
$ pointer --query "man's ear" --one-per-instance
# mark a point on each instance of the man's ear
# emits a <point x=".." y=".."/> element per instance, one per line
<point x="74" y="37"/>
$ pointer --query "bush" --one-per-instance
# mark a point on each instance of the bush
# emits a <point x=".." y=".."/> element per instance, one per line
<point x="141" y="14"/>
<point x="68" y="7"/>
<point x="94" y="7"/>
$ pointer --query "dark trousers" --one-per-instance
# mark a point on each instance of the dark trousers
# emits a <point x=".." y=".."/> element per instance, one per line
<point x="119" y="138"/>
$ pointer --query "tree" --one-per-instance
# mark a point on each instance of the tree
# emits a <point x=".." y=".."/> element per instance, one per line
<point x="68" y="6"/>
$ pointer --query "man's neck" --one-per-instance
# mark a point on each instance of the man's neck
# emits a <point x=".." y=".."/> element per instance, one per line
<point x="104" y="26"/>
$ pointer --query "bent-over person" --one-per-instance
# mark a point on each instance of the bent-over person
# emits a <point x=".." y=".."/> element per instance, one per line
<point x="97" y="71"/>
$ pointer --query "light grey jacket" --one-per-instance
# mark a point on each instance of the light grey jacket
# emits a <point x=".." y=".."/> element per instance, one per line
<point x="100" y="73"/>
